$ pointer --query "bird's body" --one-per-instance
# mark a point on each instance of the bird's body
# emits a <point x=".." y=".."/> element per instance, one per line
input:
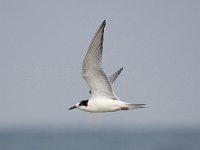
<point x="103" y="98"/>
<point x="108" y="105"/>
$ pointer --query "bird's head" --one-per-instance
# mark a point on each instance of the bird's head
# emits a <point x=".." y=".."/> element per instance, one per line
<point x="80" y="105"/>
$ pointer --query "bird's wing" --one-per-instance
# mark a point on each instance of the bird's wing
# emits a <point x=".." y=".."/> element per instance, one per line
<point x="92" y="70"/>
<point x="113" y="77"/>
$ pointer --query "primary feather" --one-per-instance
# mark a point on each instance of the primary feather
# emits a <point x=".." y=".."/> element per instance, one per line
<point x="92" y="70"/>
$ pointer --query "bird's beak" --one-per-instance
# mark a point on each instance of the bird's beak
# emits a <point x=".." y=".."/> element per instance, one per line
<point x="73" y="107"/>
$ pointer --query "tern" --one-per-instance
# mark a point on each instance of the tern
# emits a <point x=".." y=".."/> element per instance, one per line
<point x="103" y="98"/>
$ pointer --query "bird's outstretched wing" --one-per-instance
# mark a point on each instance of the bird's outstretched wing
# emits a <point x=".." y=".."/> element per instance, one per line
<point x="113" y="77"/>
<point x="92" y="70"/>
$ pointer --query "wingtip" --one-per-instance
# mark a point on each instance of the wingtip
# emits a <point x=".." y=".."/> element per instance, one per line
<point x="103" y="24"/>
<point x="101" y="27"/>
<point x="120" y="70"/>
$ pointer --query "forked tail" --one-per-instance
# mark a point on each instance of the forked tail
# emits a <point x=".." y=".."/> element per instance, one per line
<point x="135" y="106"/>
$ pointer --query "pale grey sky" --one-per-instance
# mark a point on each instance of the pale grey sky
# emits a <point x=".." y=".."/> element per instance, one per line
<point x="43" y="44"/>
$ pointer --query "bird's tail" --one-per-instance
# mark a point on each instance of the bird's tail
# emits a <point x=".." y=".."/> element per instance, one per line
<point x="134" y="106"/>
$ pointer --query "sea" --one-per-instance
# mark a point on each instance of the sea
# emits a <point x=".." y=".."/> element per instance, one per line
<point x="100" y="139"/>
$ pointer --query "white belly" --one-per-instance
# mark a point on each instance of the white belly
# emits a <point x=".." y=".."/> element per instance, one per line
<point x="104" y="105"/>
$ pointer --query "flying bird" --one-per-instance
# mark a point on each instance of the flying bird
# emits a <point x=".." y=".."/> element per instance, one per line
<point x="103" y="98"/>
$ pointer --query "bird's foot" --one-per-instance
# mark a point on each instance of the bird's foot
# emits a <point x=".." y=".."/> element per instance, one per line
<point x="124" y="108"/>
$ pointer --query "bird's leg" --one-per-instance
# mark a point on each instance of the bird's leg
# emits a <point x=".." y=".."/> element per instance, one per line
<point x="124" y="108"/>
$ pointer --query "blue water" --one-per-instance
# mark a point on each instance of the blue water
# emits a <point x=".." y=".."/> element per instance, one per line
<point x="168" y="139"/>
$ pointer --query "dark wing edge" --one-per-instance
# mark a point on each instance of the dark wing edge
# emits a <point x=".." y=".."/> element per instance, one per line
<point x="92" y="71"/>
<point x="114" y="76"/>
